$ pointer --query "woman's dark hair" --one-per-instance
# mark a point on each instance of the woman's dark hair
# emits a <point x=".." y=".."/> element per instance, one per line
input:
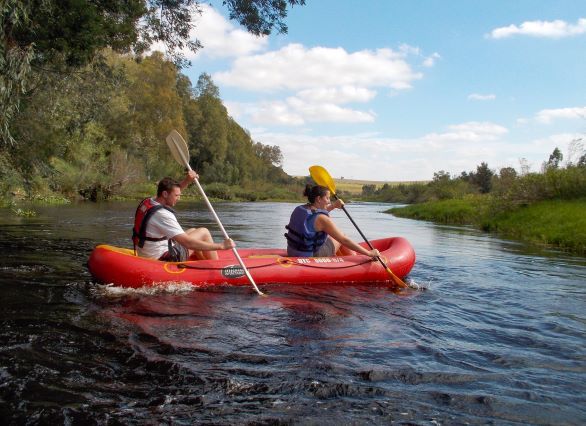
<point x="166" y="184"/>
<point x="312" y="192"/>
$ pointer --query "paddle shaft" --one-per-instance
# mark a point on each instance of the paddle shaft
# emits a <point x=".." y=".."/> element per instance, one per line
<point x="180" y="152"/>
<point x="397" y="280"/>
<point x="211" y="209"/>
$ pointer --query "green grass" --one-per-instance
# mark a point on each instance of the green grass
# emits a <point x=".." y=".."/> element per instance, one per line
<point x="557" y="223"/>
<point x="458" y="212"/>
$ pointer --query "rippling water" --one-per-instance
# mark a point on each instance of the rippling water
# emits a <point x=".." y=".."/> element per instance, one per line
<point x="496" y="335"/>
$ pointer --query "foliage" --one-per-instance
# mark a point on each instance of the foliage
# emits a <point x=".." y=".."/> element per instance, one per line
<point x="261" y="16"/>
<point x="10" y="178"/>
<point x="545" y="208"/>
<point x="102" y="129"/>
<point x="483" y="178"/>
<point x="558" y="223"/>
<point x="368" y="190"/>
<point x="15" y="63"/>
<point x="461" y="211"/>
<point x="219" y="190"/>
<point x="555" y="159"/>
<point x="40" y="36"/>
<point x="507" y="189"/>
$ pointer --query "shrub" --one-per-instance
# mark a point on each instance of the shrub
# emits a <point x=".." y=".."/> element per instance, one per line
<point x="10" y="179"/>
<point x="246" y="195"/>
<point x="219" y="190"/>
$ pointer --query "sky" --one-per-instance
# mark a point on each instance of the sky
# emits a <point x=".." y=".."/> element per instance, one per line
<point x="396" y="90"/>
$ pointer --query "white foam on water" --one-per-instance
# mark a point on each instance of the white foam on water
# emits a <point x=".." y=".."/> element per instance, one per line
<point x="171" y="287"/>
<point x="418" y="286"/>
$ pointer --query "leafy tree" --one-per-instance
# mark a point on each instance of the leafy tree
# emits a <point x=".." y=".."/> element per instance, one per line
<point x="271" y="154"/>
<point x="209" y="136"/>
<point x="156" y="108"/>
<point x="260" y="17"/>
<point x="441" y="176"/>
<point x="98" y="129"/>
<point x="369" y="190"/>
<point x="483" y="178"/>
<point x="441" y="185"/>
<point x="505" y="181"/>
<point x="61" y="34"/>
<point x="555" y="158"/>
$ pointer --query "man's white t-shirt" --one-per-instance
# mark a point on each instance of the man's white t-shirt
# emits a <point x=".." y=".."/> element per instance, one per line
<point x="162" y="223"/>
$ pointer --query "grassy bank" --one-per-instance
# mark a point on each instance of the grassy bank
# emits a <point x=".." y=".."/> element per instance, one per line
<point x="556" y="223"/>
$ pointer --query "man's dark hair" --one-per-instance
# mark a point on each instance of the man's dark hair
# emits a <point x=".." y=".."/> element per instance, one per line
<point x="166" y="184"/>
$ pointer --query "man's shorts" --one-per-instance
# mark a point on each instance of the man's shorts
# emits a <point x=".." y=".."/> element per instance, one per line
<point x="176" y="253"/>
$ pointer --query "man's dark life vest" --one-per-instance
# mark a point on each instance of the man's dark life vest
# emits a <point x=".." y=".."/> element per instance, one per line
<point x="144" y="212"/>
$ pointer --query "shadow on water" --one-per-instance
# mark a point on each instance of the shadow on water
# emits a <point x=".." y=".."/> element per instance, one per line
<point x="498" y="337"/>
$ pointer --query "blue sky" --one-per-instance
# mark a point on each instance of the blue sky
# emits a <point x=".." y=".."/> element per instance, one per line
<point x="395" y="90"/>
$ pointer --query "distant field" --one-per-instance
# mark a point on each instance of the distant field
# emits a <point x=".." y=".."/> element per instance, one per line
<point x="354" y="186"/>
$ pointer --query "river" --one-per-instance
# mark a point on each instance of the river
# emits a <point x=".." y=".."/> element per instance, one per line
<point x="494" y="333"/>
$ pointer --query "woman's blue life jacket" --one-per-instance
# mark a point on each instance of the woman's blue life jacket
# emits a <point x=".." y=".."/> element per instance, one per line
<point x="144" y="212"/>
<point x="302" y="238"/>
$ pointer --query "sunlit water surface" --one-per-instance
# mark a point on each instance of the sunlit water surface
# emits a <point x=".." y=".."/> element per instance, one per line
<point x="496" y="334"/>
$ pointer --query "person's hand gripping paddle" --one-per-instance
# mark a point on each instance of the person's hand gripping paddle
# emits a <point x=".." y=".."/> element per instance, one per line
<point x="180" y="153"/>
<point x="323" y="178"/>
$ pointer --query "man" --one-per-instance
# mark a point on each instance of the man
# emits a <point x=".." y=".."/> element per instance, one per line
<point x="158" y="235"/>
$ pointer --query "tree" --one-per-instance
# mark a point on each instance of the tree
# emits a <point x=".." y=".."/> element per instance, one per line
<point x="156" y="108"/>
<point x="525" y="166"/>
<point x="441" y="176"/>
<point x="270" y="154"/>
<point x="575" y="151"/>
<point x="483" y="178"/>
<point x="508" y="174"/>
<point x="555" y="159"/>
<point x="58" y="35"/>
<point x="209" y="136"/>
<point x="261" y="16"/>
<point x="368" y="190"/>
<point x="504" y="182"/>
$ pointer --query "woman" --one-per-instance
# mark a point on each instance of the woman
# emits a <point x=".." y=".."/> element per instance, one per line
<point x="312" y="233"/>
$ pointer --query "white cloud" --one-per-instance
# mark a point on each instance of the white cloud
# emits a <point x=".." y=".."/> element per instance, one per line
<point x="338" y="95"/>
<point x="295" y="67"/>
<point x="373" y="157"/>
<point x="469" y="132"/>
<point x="430" y="60"/>
<point x="324" y="80"/>
<point x="296" y="111"/>
<point x="220" y="39"/>
<point x="547" y="116"/>
<point x="479" y="97"/>
<point x="546" y="29"/>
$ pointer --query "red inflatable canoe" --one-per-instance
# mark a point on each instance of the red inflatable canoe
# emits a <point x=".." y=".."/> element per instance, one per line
<point x="120" y="267"/>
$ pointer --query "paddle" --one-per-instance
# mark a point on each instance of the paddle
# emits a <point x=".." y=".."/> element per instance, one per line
<point x="180" y="152"/>
<point x="323" y="178"/>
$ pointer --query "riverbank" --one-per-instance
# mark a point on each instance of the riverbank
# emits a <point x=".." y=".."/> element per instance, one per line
<point x="22" y="204"/>
<point x="555" y="223"/>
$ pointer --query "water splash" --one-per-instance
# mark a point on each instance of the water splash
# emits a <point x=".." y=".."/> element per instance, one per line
<point x="110" y="291"/>
<point x="418" y="286"/>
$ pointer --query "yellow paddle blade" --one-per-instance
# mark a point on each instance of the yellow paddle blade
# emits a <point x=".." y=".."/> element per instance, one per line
<point x="323" y="178"/>
<point x="178" y="148"/>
